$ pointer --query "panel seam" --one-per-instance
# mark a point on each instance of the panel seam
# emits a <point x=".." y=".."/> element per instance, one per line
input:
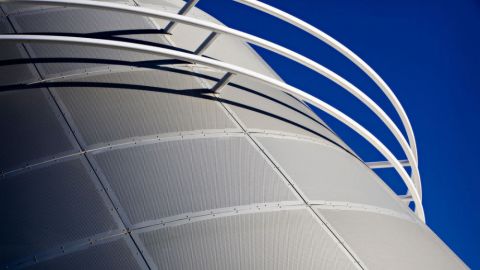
<point x="325" y="224"/>
<point x="108" y="195"/>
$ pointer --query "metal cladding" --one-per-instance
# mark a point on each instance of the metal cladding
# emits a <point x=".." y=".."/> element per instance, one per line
<point x="115" y="159"/>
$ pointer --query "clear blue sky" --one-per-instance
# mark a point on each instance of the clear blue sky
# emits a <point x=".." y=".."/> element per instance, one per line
<point x="429" y="54"/>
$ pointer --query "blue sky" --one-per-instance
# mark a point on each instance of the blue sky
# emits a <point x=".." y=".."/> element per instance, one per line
<point x="428" y="52"/>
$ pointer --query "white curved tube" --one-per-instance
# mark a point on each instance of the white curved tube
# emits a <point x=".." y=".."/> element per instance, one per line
<point x="235" y="70"/>
<point x="347" y="53"/>
<point x="410" y="154"/>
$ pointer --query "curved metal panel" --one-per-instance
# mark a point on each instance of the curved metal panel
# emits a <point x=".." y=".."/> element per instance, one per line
<point x="13" y="8"/>
<point x="111" y="255"/>
<point x="174" y="177"/>
<point x="367" y="135"/>
<point x="49" y="206"/>
<point x="385" y="242"/>
<point x="124" y="105"/>
<point x="307" y="62"/>
<point x="262" y="107"/>
<point x="57" y="60"/>
<point x="207" y="200"/>
<point x="275" y="240"/>
<point x="190" y="37"/>
<point x="10" y="71"/>
<point x="326" y="173"/>
<point x="31" y="130"/>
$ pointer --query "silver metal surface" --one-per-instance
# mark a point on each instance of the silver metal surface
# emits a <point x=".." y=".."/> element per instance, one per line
<point x="31" y="130"/>
<point x="111" y="255"/>
<point x="184" y="155"/>
<point x="327" y="172"/>
<point x="310" y="64"/>
<point x="57" y="60"/>
<point x="385" y="242"/>
<point x="48" y="207"/>
<point x="274" y="240"/>
<point x="160" y="180"/>
<point x="135" y="106"/>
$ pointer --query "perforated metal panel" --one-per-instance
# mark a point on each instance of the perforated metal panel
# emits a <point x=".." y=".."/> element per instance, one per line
<point x="385" y="242"/>
<point x="170" y="178"/>
<point x="328" y="173"/>
<point x="123" y="105"/>
<point x="66" y="59"/>
<point x="193" y="190"/>
<point x="190" y="37"/>
<point x="112" y="255"/>
<point x="10" y="8"/>
<point x="12" y="70"/>
<point x="261" y="107"/>
<point x="275" y="240"/>
<point x="30" y="129"/>
<point x="48" y="207"/>
<point x="282" y="113"/>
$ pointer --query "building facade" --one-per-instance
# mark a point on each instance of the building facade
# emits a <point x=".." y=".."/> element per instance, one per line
<point x="124" y="158"/>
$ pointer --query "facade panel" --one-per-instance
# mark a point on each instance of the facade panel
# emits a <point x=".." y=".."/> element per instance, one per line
<point x="275" y="240"/>
<point x="156" y="181"/>
<point x="325" y="172"/>
<point x="134" y="162"/>
<point x="12" y="69"/>
<point x="385" y="242"/>
<point x="120" y="106"/>
<point x="61" y="60"/>
<point x="47" y="207"/>
<point x="112" y="255"/>
<point x="31" y="131"/>
<point x="263" y="108"/>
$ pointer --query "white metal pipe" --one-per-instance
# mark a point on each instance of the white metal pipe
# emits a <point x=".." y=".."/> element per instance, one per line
<point x="236" y="70"/>
<point x="264" y="44"/>
<point x="184" y="10"/>
<point x="385" y="164"/>
<point x="347" y="53"/>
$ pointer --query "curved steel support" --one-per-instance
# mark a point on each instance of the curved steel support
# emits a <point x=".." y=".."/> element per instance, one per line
<point x="312" y="30"/>
<point x="409" y="152"/>
<point x="235" y="70"/>
<point x="344" y="51"/>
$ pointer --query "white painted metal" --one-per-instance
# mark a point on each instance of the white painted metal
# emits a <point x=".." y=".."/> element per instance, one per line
<point x="385" y="164"/>
<point x="347" y="53"/>
<point x="206" y="43"/>
<point x="411" y="155"/>
<point x="406" y="198"/>
<point x="222" y="82"/>
<point x="184" y="10"/>
<point x="237" y="70"/>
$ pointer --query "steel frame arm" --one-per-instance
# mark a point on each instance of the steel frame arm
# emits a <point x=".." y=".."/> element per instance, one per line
<point x="235" y="70"/>
<point x="344" y="51"/>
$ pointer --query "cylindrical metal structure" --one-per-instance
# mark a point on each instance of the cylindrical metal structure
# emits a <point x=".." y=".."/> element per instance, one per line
<point x="131" y="141"/>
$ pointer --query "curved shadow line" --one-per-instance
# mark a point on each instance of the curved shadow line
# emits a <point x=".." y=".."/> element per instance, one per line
<point x="152" y="64"/>
<point x="110" y="35"/>
<point x="197" y="93"/>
